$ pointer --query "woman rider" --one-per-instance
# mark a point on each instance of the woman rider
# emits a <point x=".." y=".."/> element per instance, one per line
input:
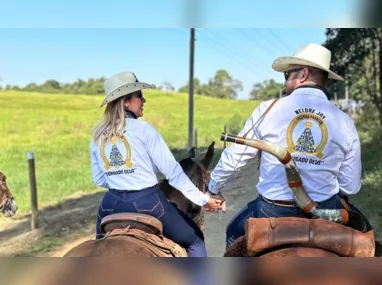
<point x="124" y="152"/>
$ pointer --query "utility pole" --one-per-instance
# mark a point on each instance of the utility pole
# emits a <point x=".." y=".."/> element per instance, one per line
<point x="191" y="91"/>
<point x="280" y="93"/>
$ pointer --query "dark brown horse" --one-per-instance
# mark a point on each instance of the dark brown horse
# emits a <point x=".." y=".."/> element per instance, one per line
<point x="131" y="234"/>
<point x="99" y="271"/>
<point x="199" y="174"/>
<point x="8" y="205"/>
<point x="297" y="271"/>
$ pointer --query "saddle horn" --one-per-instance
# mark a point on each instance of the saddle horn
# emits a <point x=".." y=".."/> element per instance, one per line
<point x="344" y="217"/>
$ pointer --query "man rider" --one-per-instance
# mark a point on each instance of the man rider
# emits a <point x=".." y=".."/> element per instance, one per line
<point x="321" y="138"/>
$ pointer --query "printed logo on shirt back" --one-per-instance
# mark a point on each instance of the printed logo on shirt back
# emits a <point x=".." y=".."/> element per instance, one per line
<point x="114" y="158"/>
<point x="307" y="135"/>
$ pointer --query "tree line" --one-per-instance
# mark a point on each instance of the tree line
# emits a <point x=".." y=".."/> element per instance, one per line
<point x="92" y="86"/>
<point x="221" y="85"/>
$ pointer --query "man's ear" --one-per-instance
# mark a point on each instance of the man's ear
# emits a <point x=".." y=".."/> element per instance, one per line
<point x="305" y="75"/>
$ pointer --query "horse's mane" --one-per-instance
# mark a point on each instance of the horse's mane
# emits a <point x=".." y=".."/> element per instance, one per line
<point x="193" y="172"/>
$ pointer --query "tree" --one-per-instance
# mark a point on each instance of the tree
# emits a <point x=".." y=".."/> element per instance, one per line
<point x="168" y="86"/>
<point x="198" y="88"/>
<point x="357" y="54"/>
<point x="269" y="89"/>
<point x="78" y="86"/>
<point x="52" y="84"/>
<point x="222" y="85"/>
<point x="32" y="87"/>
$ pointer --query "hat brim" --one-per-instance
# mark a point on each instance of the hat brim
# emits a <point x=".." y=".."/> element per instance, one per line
<point x="281" y="64"/>
<point x="126" y="90"/>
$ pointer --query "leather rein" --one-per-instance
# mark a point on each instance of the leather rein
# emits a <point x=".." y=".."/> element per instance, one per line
<point x="199" y="218"/>
<point x="206" y="175"/>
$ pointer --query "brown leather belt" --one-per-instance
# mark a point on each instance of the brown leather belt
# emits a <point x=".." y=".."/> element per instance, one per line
<point x="290" y="203"/>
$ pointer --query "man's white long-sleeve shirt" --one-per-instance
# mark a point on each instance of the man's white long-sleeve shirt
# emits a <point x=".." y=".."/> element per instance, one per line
<point x="321" y="138"/>
<point x="129" y="163"/>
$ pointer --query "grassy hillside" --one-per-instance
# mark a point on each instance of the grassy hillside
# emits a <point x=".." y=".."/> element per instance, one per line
<point x="57" y="129"/>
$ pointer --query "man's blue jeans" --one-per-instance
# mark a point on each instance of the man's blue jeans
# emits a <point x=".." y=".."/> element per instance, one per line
<point x="259" y="208"/>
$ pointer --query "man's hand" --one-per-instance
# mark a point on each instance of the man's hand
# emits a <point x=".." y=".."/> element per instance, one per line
<point x="219" y="197"/>
<point x="213" y="205"/>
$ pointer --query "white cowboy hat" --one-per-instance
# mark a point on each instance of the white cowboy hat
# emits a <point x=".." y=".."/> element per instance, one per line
<point x="308" y="55"/>
<point x="122" y="84"/>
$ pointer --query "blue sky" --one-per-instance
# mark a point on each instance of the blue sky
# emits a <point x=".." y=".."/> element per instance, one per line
<point x="66" y="40"/>
<point x="155" y="55"/>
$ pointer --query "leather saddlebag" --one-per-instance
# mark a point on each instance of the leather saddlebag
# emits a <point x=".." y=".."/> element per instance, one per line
<point x="263" y="234"/>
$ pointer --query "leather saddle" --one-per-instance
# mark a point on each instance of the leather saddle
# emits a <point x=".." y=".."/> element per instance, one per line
<point x="264" y="235"/>
<point x="146" y="230"/>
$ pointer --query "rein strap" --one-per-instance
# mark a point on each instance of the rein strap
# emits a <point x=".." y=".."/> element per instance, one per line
<point x="266" y="111"/>
<point x="205" y="173"/>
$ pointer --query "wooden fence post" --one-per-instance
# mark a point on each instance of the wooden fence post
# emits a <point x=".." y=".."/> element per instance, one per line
<point x="33" y="189"/>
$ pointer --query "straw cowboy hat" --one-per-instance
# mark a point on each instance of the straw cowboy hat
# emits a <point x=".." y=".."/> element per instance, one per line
<point x="308" y="55"/>
<point x="122" y="84"/>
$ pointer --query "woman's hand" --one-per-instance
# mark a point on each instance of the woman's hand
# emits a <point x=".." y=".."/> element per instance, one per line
<point x="217" y="197"/>
<point x="214" y="205"/>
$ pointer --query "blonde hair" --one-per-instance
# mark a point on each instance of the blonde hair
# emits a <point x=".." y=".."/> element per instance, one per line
<point x="113" y="121"/>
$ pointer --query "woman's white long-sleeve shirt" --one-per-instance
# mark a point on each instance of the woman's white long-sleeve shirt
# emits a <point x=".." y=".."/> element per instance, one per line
<point x="130" y="164"/>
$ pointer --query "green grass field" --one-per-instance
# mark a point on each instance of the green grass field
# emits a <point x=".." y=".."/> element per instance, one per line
<point x="57" y="129"/>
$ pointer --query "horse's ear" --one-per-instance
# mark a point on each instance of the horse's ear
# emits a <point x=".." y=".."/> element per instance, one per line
<point x="192" y="152"/>
<point x="206" y="161"/>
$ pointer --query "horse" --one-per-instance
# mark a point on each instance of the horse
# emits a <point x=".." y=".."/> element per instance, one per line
<point x="330" y="233"/>
<point x="100" y="271"/>
<point x="136" y="234"/>
<point x="195" y="170"/>
<point x="8" y="205"/>
<point x="295" y="271"/>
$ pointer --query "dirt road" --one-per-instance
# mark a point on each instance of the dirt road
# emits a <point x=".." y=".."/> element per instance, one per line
<point x="237" y="193"/>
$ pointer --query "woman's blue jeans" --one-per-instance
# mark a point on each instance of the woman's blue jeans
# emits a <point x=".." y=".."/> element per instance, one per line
<point x="151" y="201"/>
